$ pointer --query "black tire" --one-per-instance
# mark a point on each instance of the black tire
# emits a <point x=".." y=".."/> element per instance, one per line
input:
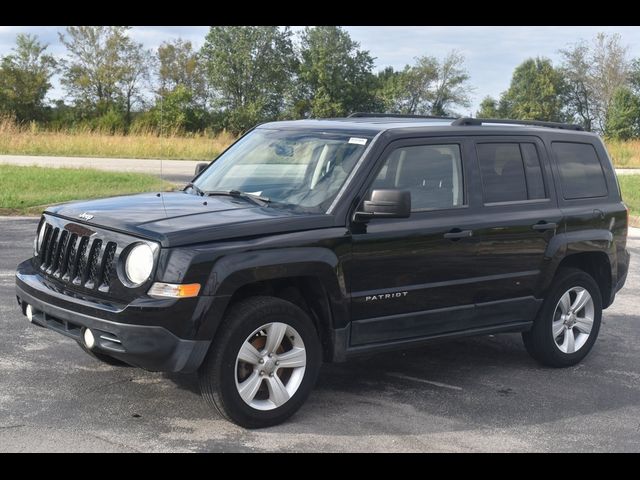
<point x="217" y="374"/>
<point x="539" y="341"/>
<point x="102" y="357"/>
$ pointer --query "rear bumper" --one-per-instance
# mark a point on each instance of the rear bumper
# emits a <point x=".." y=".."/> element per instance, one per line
<point x="623" y="270"/>
<point x="150" y="347"/>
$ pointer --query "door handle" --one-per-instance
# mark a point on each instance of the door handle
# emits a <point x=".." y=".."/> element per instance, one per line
<point x="457" y="234"/>
<point x="545" y="226"/>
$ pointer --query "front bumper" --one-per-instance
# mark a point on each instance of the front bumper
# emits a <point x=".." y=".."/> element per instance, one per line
<point x="151" y="347"/>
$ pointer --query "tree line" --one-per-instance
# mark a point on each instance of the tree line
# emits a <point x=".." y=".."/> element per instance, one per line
<point x="242" y="76"/>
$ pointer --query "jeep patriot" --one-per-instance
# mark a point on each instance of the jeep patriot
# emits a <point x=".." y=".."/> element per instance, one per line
<point x="315" y="241"/>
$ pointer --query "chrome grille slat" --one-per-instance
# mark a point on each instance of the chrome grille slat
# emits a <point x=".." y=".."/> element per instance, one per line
<point x="45" y="245"/>
<point x="107" y="267"/>
<point x="93" y="264"/>
<point x="51" y="250"/>
<point x="81" y="263"/>
<point x="71" y="256"/>
<point x="59" y="253"/>
<point x="64" y="267"/>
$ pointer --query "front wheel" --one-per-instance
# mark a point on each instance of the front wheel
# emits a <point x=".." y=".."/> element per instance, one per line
<point x="568" y="323"/>
<point x="263" y="364"/>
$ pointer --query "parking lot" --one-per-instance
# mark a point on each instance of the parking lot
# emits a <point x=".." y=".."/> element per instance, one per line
<point x="480" y="394"/>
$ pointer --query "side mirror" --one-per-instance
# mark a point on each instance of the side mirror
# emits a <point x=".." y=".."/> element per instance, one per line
<point x="386" y="204"/>
<point x="200" y="167"/>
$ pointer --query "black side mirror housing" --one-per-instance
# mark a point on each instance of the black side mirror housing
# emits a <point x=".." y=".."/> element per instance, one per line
<point x="385" y="204"/>
<point x="200" y="167"/>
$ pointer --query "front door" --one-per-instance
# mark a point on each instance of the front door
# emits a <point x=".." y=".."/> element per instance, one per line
<point x="413" y="277"/>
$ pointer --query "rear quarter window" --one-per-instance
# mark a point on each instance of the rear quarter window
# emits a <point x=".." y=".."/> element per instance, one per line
<point x="581" y="174"/>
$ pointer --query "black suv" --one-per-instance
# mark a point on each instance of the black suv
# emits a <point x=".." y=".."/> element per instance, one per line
<point x="318" y="240"/>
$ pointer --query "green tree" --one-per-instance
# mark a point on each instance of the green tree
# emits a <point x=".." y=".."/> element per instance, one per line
<point x="135" y="71"/>
<point x="182" y="89"/>
<point x="451" y="85"/>
<point x="180" y="65"/>
<point x="623" y="121"/>
<point x="388" y="89"/>
<point x="593" y="73"/>
<point x="489" y="108"/>
<point x="174" y="112"/>
<point x="250" y="70"/>
<point x="104" y="72"/>
<point x="430" y="86"/>
<point x="535" y="93"/>
<point x="335" y="75"/>
<point x="634" y="76"/>
<point x="25" y="76"/>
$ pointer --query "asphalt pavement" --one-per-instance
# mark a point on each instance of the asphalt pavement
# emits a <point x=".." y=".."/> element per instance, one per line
<point x="478" y="394"/>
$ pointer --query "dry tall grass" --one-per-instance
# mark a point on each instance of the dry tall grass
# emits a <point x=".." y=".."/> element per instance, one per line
<point x="624" y="154"/>
<point x="31" y="139"/>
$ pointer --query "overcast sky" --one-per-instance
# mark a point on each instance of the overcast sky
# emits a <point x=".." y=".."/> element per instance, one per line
<point x="491" y="52"/>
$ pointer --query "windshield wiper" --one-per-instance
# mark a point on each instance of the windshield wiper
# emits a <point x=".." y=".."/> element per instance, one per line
<point x="195" y="188"/>
<point x="257" y="199"/>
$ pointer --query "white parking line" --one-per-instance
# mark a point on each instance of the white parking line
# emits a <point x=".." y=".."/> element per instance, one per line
<point x="422" y="380"/>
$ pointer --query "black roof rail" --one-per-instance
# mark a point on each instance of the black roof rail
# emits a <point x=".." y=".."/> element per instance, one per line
<point x="467" y="121"/>
<point x="395" y="115"/>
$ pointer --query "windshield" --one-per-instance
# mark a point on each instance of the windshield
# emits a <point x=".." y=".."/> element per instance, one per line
<point x="296" y="169"/>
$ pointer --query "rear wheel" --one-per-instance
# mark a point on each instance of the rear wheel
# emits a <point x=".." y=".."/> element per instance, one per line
<point x="263" y="364"/>
<point x="102" y="357"/>
<point x="568" y="323"/>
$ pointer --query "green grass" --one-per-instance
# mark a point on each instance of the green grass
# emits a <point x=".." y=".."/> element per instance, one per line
<point x="630" y="186"/>
<point x="29" y="190"/>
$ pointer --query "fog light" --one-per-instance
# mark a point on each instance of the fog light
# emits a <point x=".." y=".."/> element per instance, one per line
<point x="89" y="339"/>
<point x="29" y="312"/>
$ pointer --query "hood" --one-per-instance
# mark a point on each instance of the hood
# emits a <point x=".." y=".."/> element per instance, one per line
<point x="179" y="218"/>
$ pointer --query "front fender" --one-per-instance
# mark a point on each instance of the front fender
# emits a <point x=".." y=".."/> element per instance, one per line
<point x="234" y="271"/>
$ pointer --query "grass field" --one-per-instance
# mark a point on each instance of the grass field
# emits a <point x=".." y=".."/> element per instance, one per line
<point x="625" y="154"/>
<point x="28" y="190"/>
<point x="630" y="186"/>
<point x="32" y="140"/>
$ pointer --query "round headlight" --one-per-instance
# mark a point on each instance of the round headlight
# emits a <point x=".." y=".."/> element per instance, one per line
<point x="39" y="238"/>
<point x="139" y="264"/>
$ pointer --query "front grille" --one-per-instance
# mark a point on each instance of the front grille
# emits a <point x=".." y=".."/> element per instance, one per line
<point x="78" y="259"/>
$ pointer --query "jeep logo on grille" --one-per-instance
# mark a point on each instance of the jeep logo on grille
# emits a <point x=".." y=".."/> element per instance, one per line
<point x="85" y="216"/>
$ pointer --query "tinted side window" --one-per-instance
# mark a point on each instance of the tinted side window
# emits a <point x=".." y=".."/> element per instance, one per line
<point x="432" y="173"/>
<point x="581" y="174"/>
<point x="510" y="172"/>
<point x="535" y="183"/>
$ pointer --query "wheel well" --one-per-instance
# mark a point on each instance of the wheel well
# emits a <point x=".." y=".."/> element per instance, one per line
<point x="595" y="264"/>
<point x="308" y="293"/>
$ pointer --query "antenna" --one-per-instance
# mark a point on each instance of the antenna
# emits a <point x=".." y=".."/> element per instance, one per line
<point x="161" y="154"/>
<point x="161" y="137"/>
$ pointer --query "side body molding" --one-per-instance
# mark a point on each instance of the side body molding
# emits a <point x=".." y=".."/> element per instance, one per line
<point x="591" y="240"/>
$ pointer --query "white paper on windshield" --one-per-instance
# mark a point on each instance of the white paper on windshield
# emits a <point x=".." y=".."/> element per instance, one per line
<point x="358" y="141"/>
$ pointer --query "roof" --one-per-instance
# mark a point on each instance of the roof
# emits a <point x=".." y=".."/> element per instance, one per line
<point x="371" y="125"/>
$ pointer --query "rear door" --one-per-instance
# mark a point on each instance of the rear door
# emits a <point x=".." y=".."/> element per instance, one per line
<point x="520" y="215"/>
